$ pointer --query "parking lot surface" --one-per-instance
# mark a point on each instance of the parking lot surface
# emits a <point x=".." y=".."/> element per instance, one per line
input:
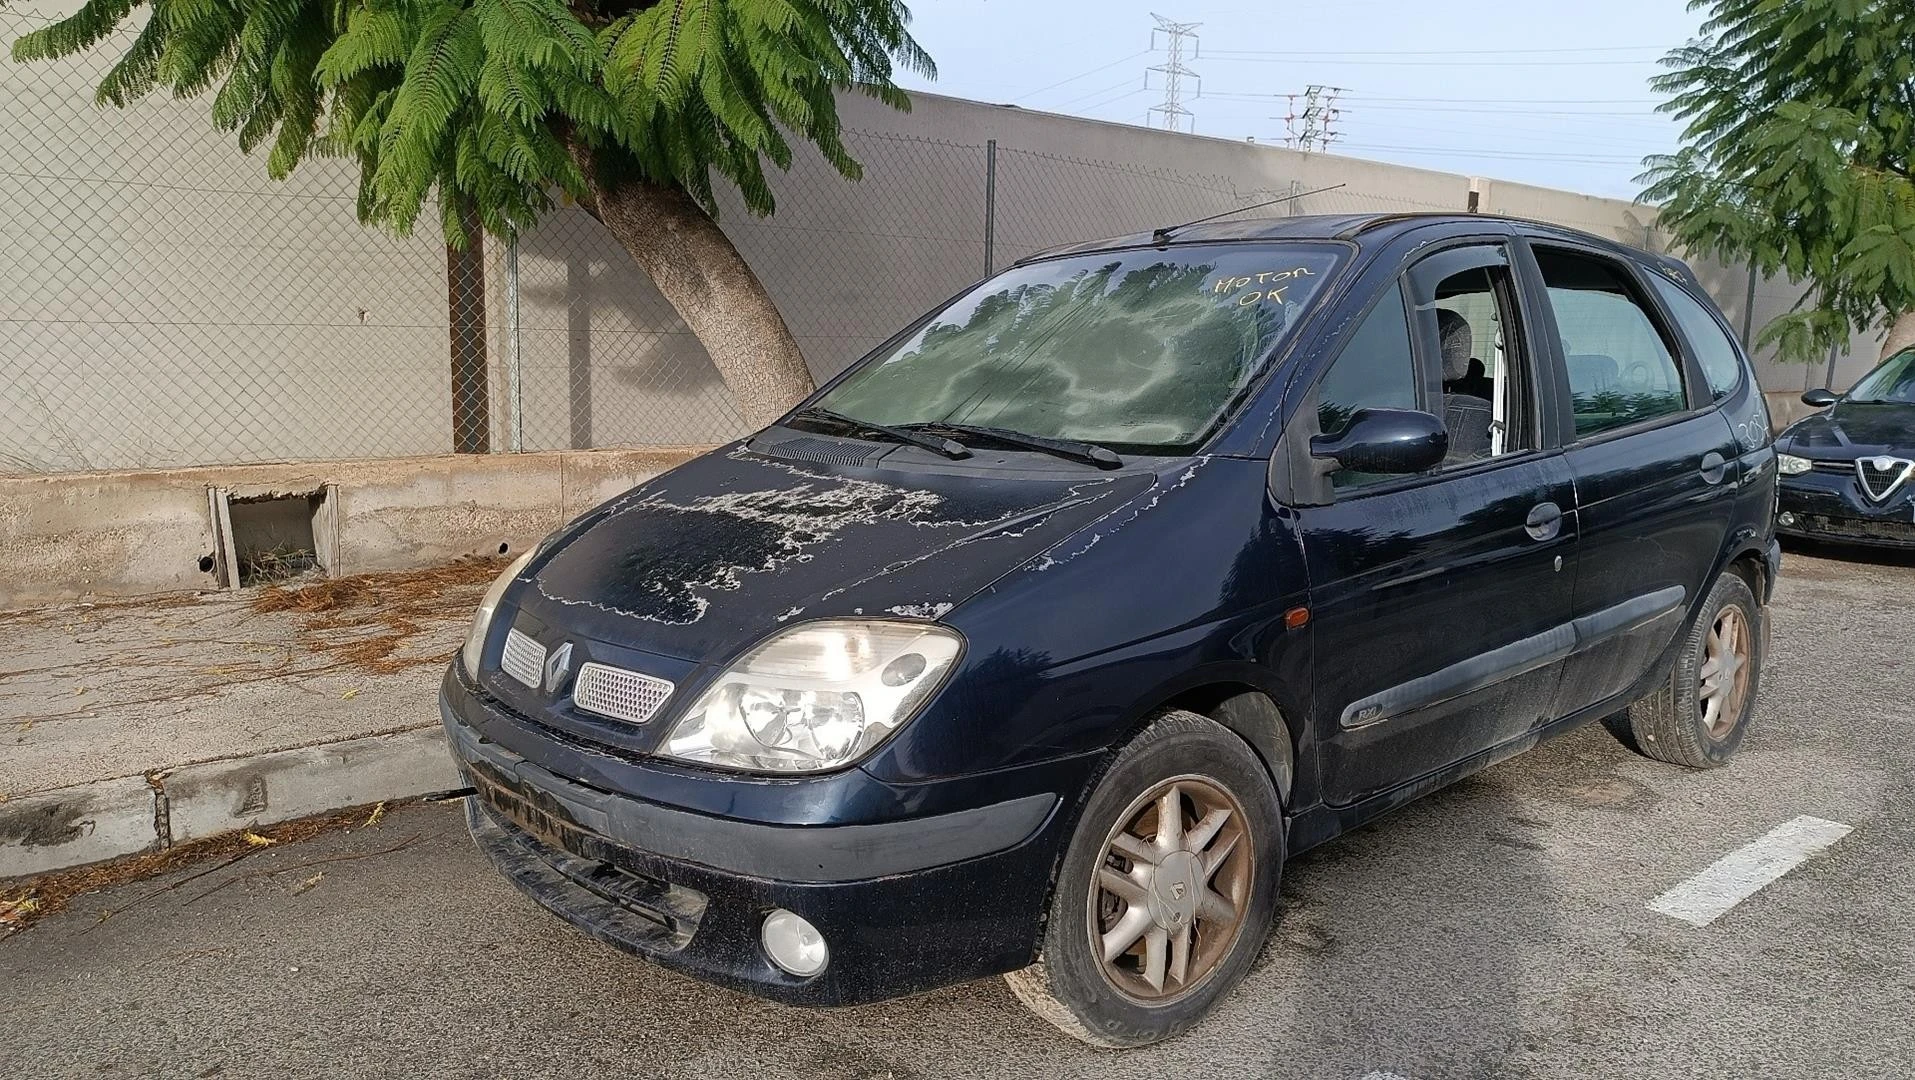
<point x="1500" y="928"/>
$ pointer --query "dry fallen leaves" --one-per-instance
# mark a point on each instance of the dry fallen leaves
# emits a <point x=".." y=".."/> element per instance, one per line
<point x="377" y="813"/>
<point x="15" y="910"/>
<point x="372" y="622"/>
<point x="257" y="840"/>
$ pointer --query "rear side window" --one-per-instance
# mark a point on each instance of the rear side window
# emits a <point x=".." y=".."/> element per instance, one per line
<point x="1720" y="363"/>
<point x="1621" y="371"/>
<point x="1375" y="370"/>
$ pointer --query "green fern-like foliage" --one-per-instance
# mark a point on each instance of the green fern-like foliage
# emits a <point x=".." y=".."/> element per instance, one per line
<point x="1799" y="146"/>
<point x="485" y="105"/>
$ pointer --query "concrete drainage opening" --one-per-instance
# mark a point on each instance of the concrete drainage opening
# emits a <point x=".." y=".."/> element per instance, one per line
<point x="266" y="537"/>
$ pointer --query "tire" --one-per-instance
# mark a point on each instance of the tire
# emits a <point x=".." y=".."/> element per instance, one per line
<point x="1674" y="723"/>
<point x="1209" y="769"/>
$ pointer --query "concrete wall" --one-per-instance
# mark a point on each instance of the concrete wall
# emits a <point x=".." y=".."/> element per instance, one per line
<point x="91" y="535"/>
<point x="848" y="264"/>
<point x="162" y="301"/>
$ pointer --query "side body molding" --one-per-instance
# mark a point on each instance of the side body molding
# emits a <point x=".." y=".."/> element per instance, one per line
<point x="1516" y="658"/>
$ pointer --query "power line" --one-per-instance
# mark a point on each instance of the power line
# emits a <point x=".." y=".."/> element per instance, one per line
<point x="1132" y="82"/>
<point x="1362" y="105"/>
<point x="1435" y="52"/>
<point x="1081" y="75"/>
<point x="1319" y="58"/>
<point x="1606" y="116"/>
<point x="1171" y="109"/>
<point x="1539" y="136"/>
<point x="1095" y="105"/>
<point x="1503" y="100"/>
<point x="1515" y="155"/>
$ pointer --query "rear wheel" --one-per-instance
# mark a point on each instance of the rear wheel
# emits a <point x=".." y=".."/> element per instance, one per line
<point x="1698" y="717"/>
<point x="1166" y="892"/>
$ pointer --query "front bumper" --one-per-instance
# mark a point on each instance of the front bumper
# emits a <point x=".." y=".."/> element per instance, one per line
<point x="904" y="905"/>
<point x="1825" y="505"/>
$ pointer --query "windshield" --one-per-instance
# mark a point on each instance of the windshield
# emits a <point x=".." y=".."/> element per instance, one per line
<point x="1893" y="381"/>
<point x="1140" y="350"/>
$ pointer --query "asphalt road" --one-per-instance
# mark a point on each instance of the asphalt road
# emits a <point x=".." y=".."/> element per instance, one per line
<point x="1499" y="928"/>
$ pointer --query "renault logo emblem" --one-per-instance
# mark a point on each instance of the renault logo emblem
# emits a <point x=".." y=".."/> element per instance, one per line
<point x="558" y="667"/>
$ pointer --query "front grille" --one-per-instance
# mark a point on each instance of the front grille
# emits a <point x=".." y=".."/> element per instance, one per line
<point x="619" y="694"/>
<point x="638" y="911"/>
<point x="524" y="659"/>
<point x="1861" y="528"/>
<point x="1879" y="484"/>
<point x="1833" y="466"/>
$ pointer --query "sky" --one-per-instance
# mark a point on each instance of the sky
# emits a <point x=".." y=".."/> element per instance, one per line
<point x="1545" y="92"/>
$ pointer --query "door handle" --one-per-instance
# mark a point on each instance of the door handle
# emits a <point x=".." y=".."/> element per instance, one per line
<point x="1545" y="521"/>
<point x="1714" y="468"/>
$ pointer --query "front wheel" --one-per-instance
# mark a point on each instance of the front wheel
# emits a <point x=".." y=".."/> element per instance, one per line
<point x="1167" y="890"/>
<point x="1698" y="716"/>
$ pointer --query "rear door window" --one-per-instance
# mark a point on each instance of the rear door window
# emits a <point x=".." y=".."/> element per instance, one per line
<point x="1620" y="367"/>
<point x="1715" y="350"/>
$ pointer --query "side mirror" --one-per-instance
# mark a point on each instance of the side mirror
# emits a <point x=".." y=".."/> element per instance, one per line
<point x="1818" y="397"/>
<point x="1387" y="441"/>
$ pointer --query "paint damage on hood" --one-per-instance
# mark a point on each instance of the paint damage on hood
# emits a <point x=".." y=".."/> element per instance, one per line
<point x="714" y="555"/>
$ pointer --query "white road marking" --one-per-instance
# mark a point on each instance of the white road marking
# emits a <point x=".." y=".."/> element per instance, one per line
<point x="1383" y="1076"/>
<point x="1743" y="872"/>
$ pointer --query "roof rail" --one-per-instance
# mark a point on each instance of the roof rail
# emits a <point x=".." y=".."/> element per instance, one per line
<point x="1381" y="220"/>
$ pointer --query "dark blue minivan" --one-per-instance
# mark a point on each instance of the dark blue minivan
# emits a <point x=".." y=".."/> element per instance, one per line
<point x="1036" y="641"/>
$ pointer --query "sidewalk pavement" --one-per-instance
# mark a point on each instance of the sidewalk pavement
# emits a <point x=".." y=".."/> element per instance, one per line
<point x="129" y="726"/>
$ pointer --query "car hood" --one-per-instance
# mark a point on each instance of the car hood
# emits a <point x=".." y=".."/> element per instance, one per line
<point x="707" y="559"/>
<point x="1852" y="429"/>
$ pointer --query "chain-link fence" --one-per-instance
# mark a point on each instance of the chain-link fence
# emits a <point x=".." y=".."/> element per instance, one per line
<point x="164" y="303"/>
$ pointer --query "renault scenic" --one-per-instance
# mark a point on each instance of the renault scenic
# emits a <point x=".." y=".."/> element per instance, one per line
<point x="1035" y="642"/>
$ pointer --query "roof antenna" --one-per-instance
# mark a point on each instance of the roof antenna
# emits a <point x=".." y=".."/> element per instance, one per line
<point x="1162" y="236"/>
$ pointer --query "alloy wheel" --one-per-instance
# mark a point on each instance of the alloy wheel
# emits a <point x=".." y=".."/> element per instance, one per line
<point x="1723" y="681"/>
<point x="1172" y="885"/>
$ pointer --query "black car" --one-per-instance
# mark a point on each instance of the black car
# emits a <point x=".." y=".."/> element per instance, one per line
<point x="1036" y="641"/>
<point x="1849" y="474"/>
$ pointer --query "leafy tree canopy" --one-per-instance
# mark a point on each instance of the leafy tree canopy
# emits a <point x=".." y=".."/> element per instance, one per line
<point x="1798" y="155"/>
<point x="493" y="105"/>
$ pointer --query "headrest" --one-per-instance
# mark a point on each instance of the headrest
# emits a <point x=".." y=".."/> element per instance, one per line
<point x="1458" y="339"/>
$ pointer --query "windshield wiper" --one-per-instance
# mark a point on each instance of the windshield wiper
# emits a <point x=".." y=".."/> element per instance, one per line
<point x="950" y="448"/>
<point x="1090" y="453"/>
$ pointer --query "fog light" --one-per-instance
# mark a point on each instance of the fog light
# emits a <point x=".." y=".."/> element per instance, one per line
<point x="1787" y="519"/>
<point x="794" y="944"/>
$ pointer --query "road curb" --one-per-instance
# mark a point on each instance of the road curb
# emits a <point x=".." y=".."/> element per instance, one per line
<point x="109" y="819"/>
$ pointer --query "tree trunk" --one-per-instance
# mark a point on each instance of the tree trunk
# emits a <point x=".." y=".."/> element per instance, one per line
<point x="700" y="273"/>
<point x="1901" y="334"/>
<point x="465" y="306"/>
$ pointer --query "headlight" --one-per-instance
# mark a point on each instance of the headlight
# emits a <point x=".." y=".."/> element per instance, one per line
<point x="815" y="697"/>
<point x="1792" y="465"/>
<point x="482" y="620"/>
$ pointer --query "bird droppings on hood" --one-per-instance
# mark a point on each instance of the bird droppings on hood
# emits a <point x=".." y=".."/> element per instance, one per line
<point x="690" y="548"/>
<point x="921" y="611"/>
<point x="1157" y="496"/>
